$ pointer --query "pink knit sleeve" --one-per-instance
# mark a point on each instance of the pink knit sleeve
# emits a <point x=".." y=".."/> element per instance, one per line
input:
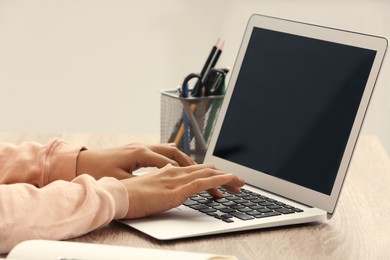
<point x="59" y="210"/>
<point x="37" y="164"/>
<point x="41" y="198"/>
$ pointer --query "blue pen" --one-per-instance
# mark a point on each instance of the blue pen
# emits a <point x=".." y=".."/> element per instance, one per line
<point x="187" y="133"/>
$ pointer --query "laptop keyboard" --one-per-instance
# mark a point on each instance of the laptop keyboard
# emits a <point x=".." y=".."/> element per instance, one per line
<point x="245" y="205"/>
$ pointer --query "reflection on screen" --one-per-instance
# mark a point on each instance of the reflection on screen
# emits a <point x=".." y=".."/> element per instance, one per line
<point x="293" y="107"/>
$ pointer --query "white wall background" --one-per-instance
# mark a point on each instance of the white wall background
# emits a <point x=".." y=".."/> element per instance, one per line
<point x="97" y="65"/>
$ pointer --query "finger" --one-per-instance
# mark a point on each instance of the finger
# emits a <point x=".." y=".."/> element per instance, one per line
<point x="209" y="183"/>
<point x="189" y="173"/>
<point x="215" y="192"/>
<point x="232" y="188"/>
<point x="170" y="151"/>
<point x="150" y="158"/>
<point x="209" y="170"/>
<point x="198" y="167"/>
<point x="205" y="171"/>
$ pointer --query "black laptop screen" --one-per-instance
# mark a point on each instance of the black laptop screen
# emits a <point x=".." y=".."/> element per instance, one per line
<point x="293" y="107"/>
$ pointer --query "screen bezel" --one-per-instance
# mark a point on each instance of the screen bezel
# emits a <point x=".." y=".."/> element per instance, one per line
<point x="270" y="183"/>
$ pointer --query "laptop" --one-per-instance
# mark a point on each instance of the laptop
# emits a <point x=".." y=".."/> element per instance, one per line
<point x="288" y="125"/>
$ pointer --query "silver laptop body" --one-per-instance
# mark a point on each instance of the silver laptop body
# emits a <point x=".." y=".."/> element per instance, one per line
<point x="292" y="113"/>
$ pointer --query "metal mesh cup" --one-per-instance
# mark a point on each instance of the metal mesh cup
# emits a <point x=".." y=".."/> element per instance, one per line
<point x="188" y="122"/>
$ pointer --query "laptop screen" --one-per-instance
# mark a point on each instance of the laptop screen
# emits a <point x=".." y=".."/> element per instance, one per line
<point x="293" y="107"/>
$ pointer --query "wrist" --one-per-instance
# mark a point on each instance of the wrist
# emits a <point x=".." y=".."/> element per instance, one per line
<point x="81" y="162"/>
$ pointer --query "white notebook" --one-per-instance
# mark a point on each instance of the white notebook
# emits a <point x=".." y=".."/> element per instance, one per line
<point x="61" y="250"/>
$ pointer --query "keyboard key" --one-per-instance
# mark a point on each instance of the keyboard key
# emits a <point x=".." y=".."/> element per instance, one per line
<point x="206" y="195"/>
<point x="221" y="215"/>
<point x="190" y="202"/>
<point x="265" y="210"/>
<point x="285" y="211"/>
<point x="228" y="220"/>
<point x="254" y="213"/>
<point x="198" y="206"/>
<point x="269" y="214"/>
<point x="227" y="210"/>
<point x="258" y="200"/>
<point x="237" y="206"/>
<point x="222" y="200"/>
<point x="266" y="204"/>
<point x="230" y="203"/>
<point x="212" y="214"/>
<point x="248" y="204"/>
<point x="226" y="216"/>
<point x="240" y="201"/>
<point x="240" y="215"/>
<point x="274" y="207"/>
<point x="197" y="198"/>
<point x="257" y="207"/>
<point x="220" y="207"/>
<point x="245" y="210"/>
<point x="241" y="194"/>
<point x="212" y="203"/>
<point x="207" y="210"/>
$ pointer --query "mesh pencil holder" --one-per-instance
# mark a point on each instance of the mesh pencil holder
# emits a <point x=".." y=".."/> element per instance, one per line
<point x="188" y="122"/>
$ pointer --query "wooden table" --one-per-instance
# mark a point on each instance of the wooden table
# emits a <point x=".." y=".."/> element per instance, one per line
<point x="360" y="229"/>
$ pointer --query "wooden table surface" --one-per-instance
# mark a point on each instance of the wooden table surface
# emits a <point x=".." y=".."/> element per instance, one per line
<point x="360" y="228"/>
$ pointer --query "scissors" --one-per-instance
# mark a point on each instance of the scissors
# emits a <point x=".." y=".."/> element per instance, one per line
<point x="210" y="85"/>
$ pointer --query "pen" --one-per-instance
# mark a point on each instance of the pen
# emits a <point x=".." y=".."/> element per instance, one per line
<point x="209" y="59"/>
<point x="187" y="135"/>
<point x="219" y="51"/>
<point x="182" y="129"/>
<point x="195" y="127"/>
<point x="196" y="92"/>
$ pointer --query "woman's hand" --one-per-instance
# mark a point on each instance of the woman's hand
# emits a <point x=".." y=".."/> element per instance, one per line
<point x="170" y="187"/>
<point x="122" y="161"/>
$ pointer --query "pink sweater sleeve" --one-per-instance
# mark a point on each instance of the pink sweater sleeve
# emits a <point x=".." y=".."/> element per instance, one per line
<point x="38" y="201"/>
<point x="37" y="164"/>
